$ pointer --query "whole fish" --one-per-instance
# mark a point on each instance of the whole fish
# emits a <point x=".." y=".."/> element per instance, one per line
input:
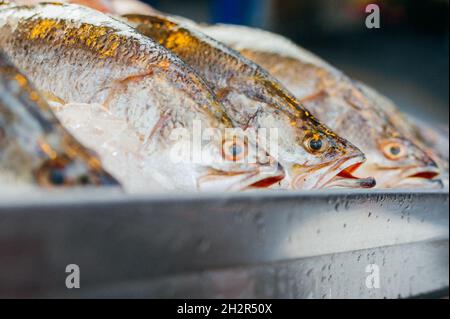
<point x="78" y="55"/>
<point x="312" y="155"/>
<point x="35" y="150"/>
<point x="393" y="157"/>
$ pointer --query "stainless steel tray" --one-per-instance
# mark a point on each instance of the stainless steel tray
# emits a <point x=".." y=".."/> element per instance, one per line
<point x="254" y="245"/>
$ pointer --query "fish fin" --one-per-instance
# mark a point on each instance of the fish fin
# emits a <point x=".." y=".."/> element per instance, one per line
<point x="158" y="126"/>
<point x="315" y="97"/>
<point x="356" y="99"/>
<point x="119" y="86"/>
<point x="222" y="94"/>
<point x="51" y="97"/>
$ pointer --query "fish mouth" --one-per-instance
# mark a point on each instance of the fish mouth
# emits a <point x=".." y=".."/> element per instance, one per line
<point x="339" y="175"/>
<point x="261" y="177"/>
<point x="343" y="175"/>
<point x="423" y="177"/>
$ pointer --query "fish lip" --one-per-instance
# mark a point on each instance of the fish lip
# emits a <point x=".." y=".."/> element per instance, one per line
<point x="260" y="177"/>
<point x="275" y="173"/>
<point x="429" y="172"/>
<point x="423" y="176"/>
<point x="342" y="171"/>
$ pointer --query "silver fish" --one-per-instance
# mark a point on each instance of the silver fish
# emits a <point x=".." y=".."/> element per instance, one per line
<point x="393" y="157"/>
<point x="77" y="54"/>
<point x="312" y="155"/>
<point x="35" y="150"/>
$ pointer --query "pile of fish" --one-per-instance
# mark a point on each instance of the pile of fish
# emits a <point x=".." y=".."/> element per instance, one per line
<point x="163" y="103"/>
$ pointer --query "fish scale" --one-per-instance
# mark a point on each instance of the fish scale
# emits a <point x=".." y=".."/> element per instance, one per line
<point x="348" y="108"/>
<point x="254" y="99"/>
<point x="33" y="144"/>
<point x="80" y="55"/>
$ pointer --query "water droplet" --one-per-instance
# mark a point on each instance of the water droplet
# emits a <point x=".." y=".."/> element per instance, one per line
<point x="204" y="246"/>
<point x="336" y="207"/>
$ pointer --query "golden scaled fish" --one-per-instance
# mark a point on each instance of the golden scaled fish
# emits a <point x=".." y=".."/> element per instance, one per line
<point x="78" y="55"/>
<point x="393" y="157"/>
<point x="312" y="155"/>
<point x="35" y="150"/>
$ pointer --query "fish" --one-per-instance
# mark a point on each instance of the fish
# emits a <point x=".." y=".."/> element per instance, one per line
<point x="35" y="149"/>
<point x="312" y="155"/>
<point x="394" y="158"/>
<point x="433" y="140"/>
<point x="75" y="54"/>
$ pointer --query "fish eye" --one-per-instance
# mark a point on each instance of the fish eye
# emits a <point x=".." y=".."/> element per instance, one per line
<point x="315" y="144"/>
<point x="56" y="177"/>
<point x="84" y="180"/>
<point x="52" y="173"/>
<point x="395" y="150"/>
<point x="51" y="176"/>
<point x="234" y="149"/>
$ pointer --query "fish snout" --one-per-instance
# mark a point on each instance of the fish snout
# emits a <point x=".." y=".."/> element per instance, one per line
<point x="344" y="174"/>
<point x="107" y="180"/>
<point x="337" y="174"/>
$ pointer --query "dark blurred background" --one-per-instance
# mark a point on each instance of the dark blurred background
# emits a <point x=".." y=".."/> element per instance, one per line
<point x="406" y="59"/>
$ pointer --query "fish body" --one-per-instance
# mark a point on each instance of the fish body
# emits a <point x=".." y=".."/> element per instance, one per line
<point x="35" y="150"/>
<point x="79" y="55"/>
<point x="310" y="152"/>
<point x="394" y="157"/>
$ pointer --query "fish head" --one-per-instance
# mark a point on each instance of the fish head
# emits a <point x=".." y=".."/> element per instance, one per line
<point x="234" y="162"/>
<point x="318" y="158"/>
<point x="36" y="148"/>
<point x="312" y="155"/>
<point x="66" y="163"/>
<point x="396" y="155"/>
<point x="397" y="162"/>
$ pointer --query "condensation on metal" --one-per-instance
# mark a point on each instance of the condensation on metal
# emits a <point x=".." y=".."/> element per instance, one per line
<point x="255" y="245"/>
